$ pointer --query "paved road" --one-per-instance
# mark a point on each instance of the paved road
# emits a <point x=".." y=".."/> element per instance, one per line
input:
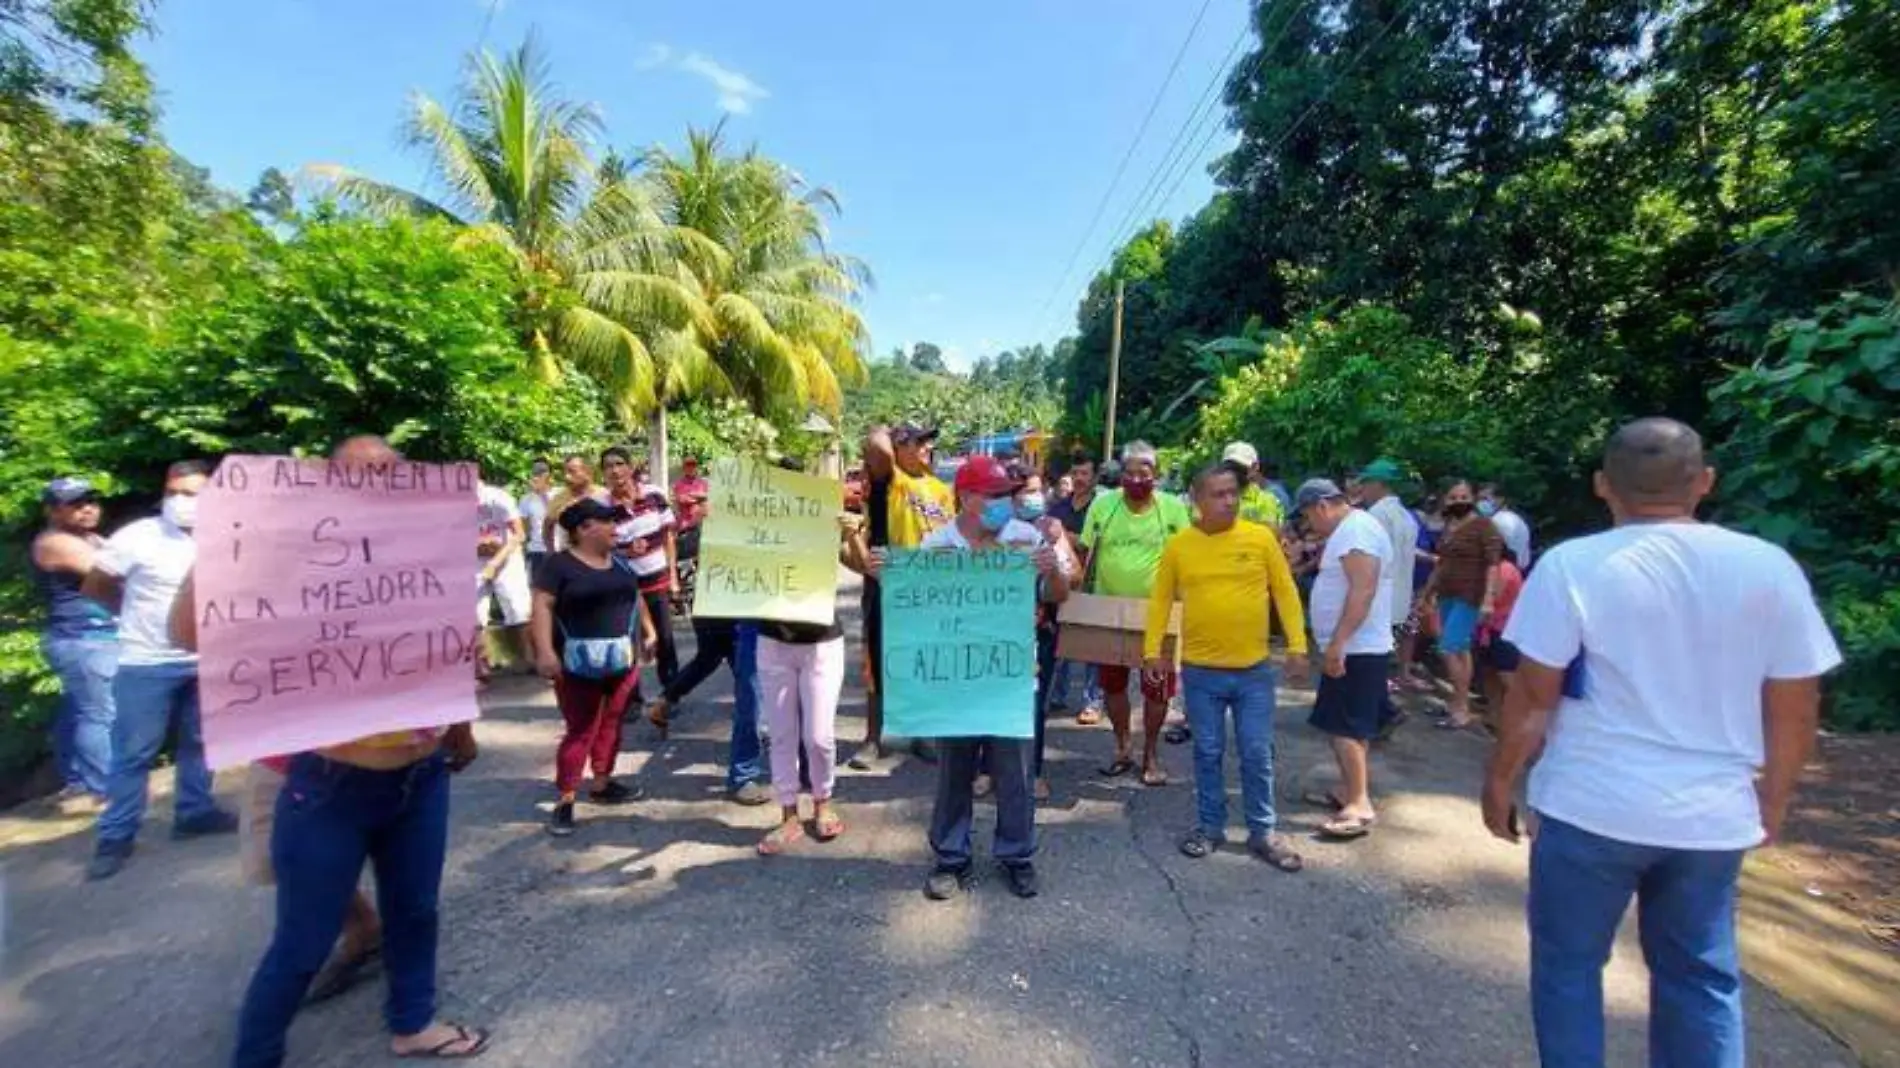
<point x="658" y="938"/>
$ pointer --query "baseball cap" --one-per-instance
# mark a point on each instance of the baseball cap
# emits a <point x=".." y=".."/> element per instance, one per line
<point x="584" y="510"/>
<point x="68" y="491"/>
<point x="1315" y="490"/>
<point x="1240" y="453"/>
<point x="985" y="476"/>
<point x="1381" y="470"/>
<point x="912" y="434"/>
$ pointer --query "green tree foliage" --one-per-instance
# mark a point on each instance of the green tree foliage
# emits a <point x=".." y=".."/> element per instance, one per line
<point x="927" y="359"/>
<point x="962" y="407"/>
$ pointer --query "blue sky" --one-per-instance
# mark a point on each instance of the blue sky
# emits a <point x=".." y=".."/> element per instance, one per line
<point x="970" y="142"/>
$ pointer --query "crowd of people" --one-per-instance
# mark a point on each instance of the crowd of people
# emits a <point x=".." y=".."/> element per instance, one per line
<point x="1658" y="680"/>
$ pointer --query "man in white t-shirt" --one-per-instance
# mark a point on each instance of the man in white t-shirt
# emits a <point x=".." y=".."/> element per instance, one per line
<point x="1664" y="663"/>
<point x="502" y="577"/>
<point x="1512" y="527"/>
<point x="986" y="520"/>
<point x="1351" y="614"/>
<point x="1382" y="503"/>
<point x="139" y="570"/>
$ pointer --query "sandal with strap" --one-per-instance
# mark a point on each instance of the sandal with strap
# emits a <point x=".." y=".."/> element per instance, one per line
<point x="1347" y="828"/>
<point x="781" y="838"/>
<point x="1276" y="852"/>
<point x="473" y="1043"/>
<point x="828" y="825"/>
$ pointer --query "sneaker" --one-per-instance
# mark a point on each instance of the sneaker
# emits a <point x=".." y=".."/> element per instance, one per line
<point x="107" y="859"/>
<point x="217" y="821"/>
<point x="561" y="823"/>
<point x="750" y="795"/>
<point x="616" y="794"/>
<point x="1022" y="880"/>
<point x="944" y="883"/>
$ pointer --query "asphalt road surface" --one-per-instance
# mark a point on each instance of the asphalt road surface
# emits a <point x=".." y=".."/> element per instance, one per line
<point x="657" y="937"/>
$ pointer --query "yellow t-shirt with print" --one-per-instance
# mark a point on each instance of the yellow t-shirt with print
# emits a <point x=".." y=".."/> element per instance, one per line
<point x="918" y="505"/>
<point x="1226" y="583"/>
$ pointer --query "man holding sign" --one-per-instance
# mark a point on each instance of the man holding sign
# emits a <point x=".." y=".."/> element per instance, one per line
<point x="959" y="664"/>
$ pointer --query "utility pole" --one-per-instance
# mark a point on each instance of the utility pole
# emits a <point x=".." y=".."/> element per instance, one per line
<point x="1114" y="376"/>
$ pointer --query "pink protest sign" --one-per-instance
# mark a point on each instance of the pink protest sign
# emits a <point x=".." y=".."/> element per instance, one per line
<point x="333" y="602"/>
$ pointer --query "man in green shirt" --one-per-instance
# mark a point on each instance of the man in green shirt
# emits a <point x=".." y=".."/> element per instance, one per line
<point x="1123" y="537"/>
<point x="1258" y="504"/>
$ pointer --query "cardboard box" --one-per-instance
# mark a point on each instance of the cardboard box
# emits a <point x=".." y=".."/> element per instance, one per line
<point x="1108" y="630"/>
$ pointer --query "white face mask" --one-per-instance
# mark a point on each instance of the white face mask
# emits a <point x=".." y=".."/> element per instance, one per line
<point x="180" y="510"/>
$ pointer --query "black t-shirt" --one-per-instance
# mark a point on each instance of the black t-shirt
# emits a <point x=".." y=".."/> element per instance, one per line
<point x="1065" y="512"/>
<point x="800" y="633"/>
<point x="589" y="602"/>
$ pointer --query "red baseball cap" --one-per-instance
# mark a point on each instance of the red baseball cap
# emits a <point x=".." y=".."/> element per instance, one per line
<point x="985" y="476"/>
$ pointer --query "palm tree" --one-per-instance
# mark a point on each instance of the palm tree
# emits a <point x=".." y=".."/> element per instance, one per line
<point x="609" y="285"/>
<point x="781" y="333"/>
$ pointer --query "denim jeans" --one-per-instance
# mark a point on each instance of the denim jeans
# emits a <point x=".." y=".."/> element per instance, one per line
<point x="1581" y="885"/>
<point x="82" y="732"/>
<point x="1061" y="684"/>
<point x="746" y="757"/>
<point x="954" y="815"/>
<point x="330" y="818"/>
<point x="151" y="700"/>
<point x="1210" y="694"/>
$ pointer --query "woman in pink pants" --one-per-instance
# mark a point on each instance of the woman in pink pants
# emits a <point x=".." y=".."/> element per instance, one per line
<point x="801" y="673"/>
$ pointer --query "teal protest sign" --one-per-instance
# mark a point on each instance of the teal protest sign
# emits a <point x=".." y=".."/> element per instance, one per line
<point x="959" y="644"/>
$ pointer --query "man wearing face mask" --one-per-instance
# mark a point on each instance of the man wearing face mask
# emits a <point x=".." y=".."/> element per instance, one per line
<point x="986" y="520"/>
<point x="1124" y="536"/>
<point x="139" y="571"/>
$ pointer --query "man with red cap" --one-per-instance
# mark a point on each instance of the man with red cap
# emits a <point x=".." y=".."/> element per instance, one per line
<point x="986" y="521"/>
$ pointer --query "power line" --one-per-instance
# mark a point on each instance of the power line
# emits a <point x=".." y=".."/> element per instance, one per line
<point x="1122" y="167"/>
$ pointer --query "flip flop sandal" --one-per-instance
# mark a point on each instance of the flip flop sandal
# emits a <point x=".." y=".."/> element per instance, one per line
<point x="473" y="1043"/>
<point x="1154" y="777"/>
<point x="1277" y="855"/>
<point x="1120" y="767"/>
<point x="1088" y="717"/>
<point x="1322" y="799"/>
<point x="828" y="826"/>
<point x="782" y="838"/>
<point x="1345" y="829"/>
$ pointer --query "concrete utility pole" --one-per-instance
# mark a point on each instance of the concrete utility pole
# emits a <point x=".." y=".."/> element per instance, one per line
<point x="1114" y="376"/>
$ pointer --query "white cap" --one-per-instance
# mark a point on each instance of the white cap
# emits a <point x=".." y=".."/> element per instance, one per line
<point x="1241" y="453"/>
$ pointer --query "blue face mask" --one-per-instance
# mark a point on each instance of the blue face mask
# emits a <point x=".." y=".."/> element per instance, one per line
<point x="1487" y="508"/>
<point x="998" y="513"/>
<point x="1031" y="508"/>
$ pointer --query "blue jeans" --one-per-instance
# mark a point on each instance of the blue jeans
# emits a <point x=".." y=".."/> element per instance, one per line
<point x="745" y="762"/>
<point x="1060" y="686"/>
<point x="954" y="814"/>
<point x="153" y="699"/>
<point x="1210" y="694"/>
<point x="82" y="731"/>
<point x="332" y="817"/>
<point x="1581" y="884"/>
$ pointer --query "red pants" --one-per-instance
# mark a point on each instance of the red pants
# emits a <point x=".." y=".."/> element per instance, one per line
<point x="592" y="709"/>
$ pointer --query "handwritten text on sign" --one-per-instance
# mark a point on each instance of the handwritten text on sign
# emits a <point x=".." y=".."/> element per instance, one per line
<point x="959" y="644"/>
<point x="333" y="602"/>
<point x="769" y="549"/>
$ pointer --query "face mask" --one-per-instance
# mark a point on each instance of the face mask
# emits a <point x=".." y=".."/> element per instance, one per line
<point x="1487" y="508"/>
<point x="181" y="511"/>
<point x="1031" y="508"/>
<point x="998" y="513"/>
<point x="1457" y="509"/>
<point x="1138" y="489"/>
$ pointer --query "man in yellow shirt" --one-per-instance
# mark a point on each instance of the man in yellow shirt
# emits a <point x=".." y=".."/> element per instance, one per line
<point x="1228" y="575"/>
<point x="905" y="502"/>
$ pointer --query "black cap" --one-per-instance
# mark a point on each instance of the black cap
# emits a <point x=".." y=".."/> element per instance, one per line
<point x="912" y="434"/>
<point x="583" y="510"/>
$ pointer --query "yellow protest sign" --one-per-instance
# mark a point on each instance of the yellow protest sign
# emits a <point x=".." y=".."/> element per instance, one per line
<point x="769" y="546"/>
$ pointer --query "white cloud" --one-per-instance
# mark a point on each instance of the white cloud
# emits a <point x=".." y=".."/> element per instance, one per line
<point x="735" y="90"/>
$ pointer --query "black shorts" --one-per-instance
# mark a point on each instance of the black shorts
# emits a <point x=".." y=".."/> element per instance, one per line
<point x="872" y="606"/>
<point x="1351" y="706"/>
<point x="1502" y="655"/>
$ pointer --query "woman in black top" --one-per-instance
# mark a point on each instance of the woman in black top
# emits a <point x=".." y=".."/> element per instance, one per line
<point x="586" y="602"/>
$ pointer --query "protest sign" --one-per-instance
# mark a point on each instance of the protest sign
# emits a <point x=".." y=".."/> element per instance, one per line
<point x="959" y="644"/>
<point x="769" y="545"/>
<point x="333" y="602"/>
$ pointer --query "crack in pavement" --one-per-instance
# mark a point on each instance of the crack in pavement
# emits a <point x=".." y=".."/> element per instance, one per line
<point x="1184" y="994"/>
